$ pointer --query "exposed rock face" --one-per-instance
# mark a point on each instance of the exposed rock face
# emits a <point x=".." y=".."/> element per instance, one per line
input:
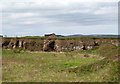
<point x="27" y="44"/>
<point x="55" y="45"/>
<point x="74" y="44"/>
<point x="0" y="43"/>
<point x="49" y="45"/>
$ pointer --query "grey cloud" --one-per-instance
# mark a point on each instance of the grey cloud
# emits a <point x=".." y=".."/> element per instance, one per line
<point x="59" y="17"/>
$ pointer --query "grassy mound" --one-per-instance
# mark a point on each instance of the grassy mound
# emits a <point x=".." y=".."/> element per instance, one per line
<point x="108" y="50"/>
<point x="110" y="54"/>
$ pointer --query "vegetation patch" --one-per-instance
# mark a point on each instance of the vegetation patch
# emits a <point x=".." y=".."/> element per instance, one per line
<point x="70" y="66"/>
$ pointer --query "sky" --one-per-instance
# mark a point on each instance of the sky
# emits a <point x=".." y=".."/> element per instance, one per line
<point x="63" y="17"/>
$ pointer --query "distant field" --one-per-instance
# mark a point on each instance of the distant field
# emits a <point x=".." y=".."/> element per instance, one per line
<point x="80" y="66"/>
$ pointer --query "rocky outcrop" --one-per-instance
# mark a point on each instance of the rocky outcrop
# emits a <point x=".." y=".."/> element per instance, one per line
<point x="27" y="44"/>
<point x="55" y="44"/>
<point x="83" y="44"/>
<point x="0" y="43"/>
<point x="49" y="45"/>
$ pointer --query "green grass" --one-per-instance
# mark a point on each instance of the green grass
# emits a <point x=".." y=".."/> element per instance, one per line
<point x="61" y="67"/>
<point x="39" y="65"/>
<point x="109" y="63"/>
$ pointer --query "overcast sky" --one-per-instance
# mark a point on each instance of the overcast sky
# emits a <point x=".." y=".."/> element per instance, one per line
<point x="65" y="17"/>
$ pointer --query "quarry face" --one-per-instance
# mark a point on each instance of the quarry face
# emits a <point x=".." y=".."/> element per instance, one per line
<point x="48" y="45"/>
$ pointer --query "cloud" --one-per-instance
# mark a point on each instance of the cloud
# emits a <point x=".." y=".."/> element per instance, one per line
<point x="21" y="15"/>
<point x="106" y="10"/>
<point x="53" y="15"/>
<point x="27" y="22"/>
<point x="21" y="33"/>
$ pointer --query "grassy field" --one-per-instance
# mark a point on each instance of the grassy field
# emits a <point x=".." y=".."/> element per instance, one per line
<point x="77" y="66"/>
